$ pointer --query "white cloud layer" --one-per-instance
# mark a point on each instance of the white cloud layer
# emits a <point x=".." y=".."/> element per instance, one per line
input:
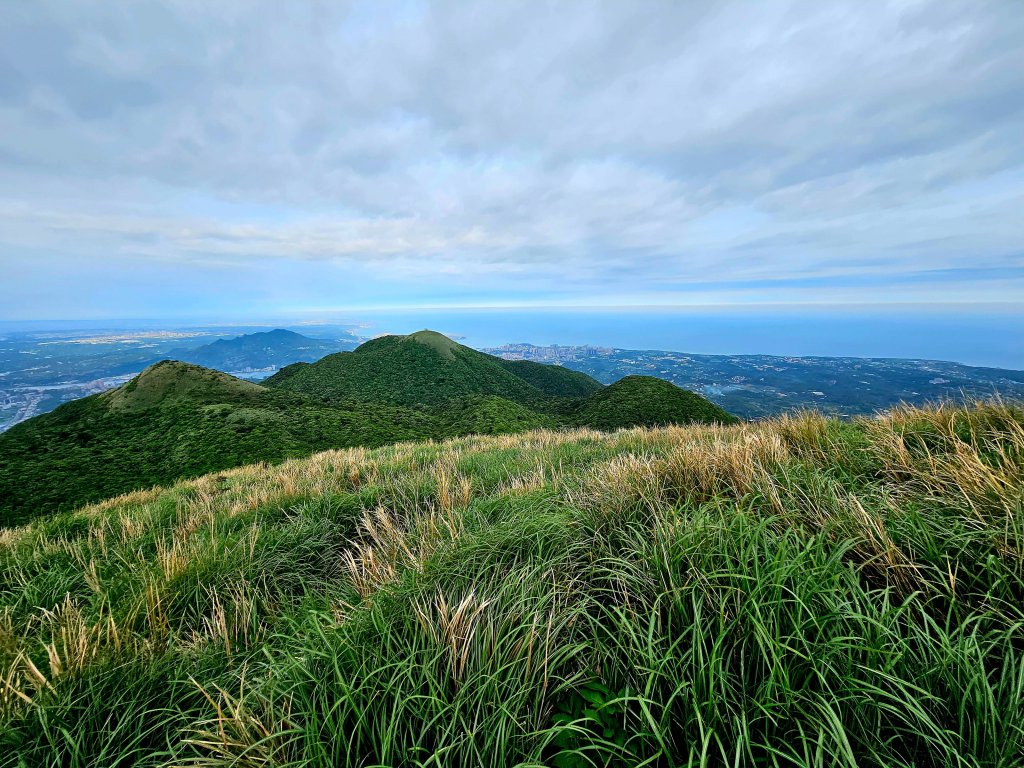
<point x="504" y="151"/>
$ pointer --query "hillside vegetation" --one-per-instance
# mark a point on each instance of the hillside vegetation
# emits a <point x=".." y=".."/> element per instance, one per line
<point x="644" y="400"/>
<point x="552" y="380"/>
<point x="423" y="368"/>
<point x="177" y="420"/>
<point x="172" y="421"/>
<point x="796" y="592"/>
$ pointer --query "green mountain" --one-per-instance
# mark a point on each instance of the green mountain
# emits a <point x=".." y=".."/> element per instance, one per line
<point x="552" y="380"/>
<point x="421" y="369"/>
<point x="645" y="400"/>
<point x="427" y="369"/>
<point x="261" y="350"/>
<point x="170" y="383"/>
<point x="177" y="420"/>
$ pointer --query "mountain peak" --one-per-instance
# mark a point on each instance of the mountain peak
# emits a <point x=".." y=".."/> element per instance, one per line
<point x="422" y="368"/>
<point x="276" y="333"/>
<point x="173" y="380"/>
<point x="436" y="341"/>
<point x="263" y="349"/>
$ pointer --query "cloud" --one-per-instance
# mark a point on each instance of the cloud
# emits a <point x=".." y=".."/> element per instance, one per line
<point x="520" y="149"/>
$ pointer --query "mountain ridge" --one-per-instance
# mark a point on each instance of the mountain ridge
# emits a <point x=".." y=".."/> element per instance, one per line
<point x="259" y="350"/>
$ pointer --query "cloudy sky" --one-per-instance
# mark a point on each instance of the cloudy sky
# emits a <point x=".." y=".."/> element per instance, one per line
<point x="206" y="158"/>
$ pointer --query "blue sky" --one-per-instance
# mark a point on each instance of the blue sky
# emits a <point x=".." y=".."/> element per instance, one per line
<point x="221" y="159"/>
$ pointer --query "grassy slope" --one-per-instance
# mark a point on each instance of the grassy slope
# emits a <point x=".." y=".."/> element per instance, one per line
<point x="795" y="592"/>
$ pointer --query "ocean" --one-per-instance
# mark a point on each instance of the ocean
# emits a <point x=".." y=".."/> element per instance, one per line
<point x="988" y="335"/>
<point x="982" y="335"/>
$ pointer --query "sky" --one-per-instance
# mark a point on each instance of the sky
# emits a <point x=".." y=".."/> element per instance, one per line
<point x="223" y="159"/>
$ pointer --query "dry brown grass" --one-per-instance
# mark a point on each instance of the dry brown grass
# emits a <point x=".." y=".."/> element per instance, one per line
<point x="453" y="625"/>
<point x="730" y="462"/>
<point x="973" y="459"/>
<point x="390" y="543"/>
<point x="700" y="465"/>
<point x="539" y="476"/>
<point x="236" y="618"/>
<point x="246" y="732"/>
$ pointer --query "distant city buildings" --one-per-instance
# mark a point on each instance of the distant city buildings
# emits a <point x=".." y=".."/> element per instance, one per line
<point x="551" y="354"/>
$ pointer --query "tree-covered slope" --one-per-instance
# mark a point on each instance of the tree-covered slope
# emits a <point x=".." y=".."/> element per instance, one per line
<point x="552" y="380"/>
<point x="471" y="390"/>
<point x="647" y="401"/>
<point x="488" y="415"/>
<point x="174" y="420"/>
<point x="423" y="368"/>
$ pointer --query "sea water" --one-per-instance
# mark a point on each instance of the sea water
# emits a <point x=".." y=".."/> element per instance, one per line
<point x="984" y="335"/>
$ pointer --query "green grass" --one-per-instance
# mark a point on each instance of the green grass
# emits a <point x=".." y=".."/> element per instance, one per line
<point x="797" y="592"/>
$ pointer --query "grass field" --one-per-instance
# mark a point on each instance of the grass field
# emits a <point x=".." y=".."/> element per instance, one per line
<point x="793" y="592"/>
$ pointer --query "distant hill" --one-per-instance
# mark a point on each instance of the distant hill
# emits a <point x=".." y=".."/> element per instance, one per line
<point x="178" y="420"/>
<point x="262" y="350"/>
<point x="759" y="386"/>
<point x="648" y="401"/>
<point x="470" y="391"/>
<point x="426" y="368"/>
<point x="169" y="383"/>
